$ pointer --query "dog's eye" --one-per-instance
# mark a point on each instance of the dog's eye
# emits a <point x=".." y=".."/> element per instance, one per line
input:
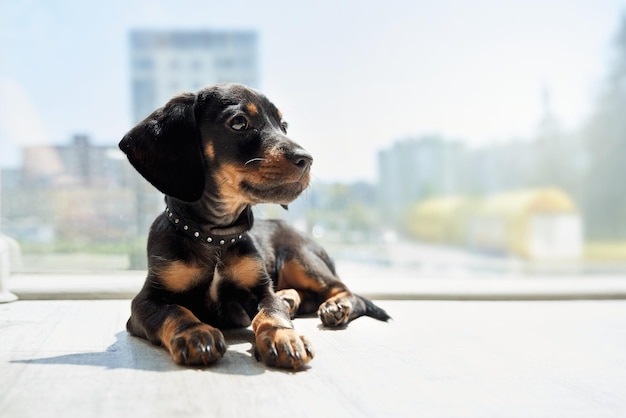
<point x="239" y="123"/>
<point x="284" y="126"/>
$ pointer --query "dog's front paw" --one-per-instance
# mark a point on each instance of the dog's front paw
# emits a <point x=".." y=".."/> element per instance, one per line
<point x="335" y="312"/>
<point x="291" y="299"/>
<point x="283" y="347"/>
<point x="198" y="346"/>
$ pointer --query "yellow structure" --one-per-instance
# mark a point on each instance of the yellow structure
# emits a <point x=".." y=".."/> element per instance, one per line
<point x="441" y="220"/>
<point x="535" y="224"/>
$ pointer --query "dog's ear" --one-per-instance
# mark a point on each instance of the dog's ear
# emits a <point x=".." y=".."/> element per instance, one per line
<point x="165" y="148"/>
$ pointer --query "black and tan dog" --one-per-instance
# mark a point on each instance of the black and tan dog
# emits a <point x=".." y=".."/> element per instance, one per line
<point x="214" y="154"/>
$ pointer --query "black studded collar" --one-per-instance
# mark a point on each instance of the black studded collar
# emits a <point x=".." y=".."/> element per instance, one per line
<point x="220" y="237"/>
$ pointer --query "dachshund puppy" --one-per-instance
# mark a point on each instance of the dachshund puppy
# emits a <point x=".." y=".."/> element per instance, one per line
<point x="214" y="154"/>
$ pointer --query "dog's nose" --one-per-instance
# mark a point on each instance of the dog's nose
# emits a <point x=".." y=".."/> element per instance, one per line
<point x="300" y="159"/>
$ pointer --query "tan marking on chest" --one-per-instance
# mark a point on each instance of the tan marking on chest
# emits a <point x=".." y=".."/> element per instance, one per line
<point x="179" y="276"/>
<point x="245" y="271"/>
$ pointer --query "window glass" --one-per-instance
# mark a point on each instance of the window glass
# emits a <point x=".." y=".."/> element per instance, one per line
<point x="446" y="136"/>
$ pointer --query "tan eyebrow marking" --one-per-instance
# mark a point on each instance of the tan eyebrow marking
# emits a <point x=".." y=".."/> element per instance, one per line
<point x="252" y="109"/>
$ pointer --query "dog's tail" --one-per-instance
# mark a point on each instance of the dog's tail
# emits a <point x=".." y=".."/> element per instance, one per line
<point x="374" y="311"/>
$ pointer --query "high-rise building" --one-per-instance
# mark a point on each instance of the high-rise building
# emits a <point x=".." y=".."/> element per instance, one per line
<point x="166" y="63"/>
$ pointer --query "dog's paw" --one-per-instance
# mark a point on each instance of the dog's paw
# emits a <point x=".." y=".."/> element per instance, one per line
<point x="291" y="299"/>
<point x="335" y="312"/>
<point x="198" y="346"/>
<point x="283" y="347"/>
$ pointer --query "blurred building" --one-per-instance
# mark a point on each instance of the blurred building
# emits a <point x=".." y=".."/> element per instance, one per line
<point x="166" y="63"/>
<point x="78" y="191"/>
<point x="415" y="169"/>
<point x="79" y="163"/>
<point x="501" y="167"/>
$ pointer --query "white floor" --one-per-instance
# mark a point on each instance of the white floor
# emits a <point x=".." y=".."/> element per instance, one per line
<point x="436" y="358"/>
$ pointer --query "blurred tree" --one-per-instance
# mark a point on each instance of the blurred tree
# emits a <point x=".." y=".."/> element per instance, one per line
<point x="605" y="194"/>
<point x="559" y="158"/>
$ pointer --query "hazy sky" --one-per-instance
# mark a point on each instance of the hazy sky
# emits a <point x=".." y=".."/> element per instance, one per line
<point x="351" y="77"/>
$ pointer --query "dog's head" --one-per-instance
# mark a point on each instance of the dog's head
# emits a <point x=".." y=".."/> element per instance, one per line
<point x="226" y="139"/>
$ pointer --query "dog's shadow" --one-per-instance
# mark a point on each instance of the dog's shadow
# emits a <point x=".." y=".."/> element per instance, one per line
<point x="129" y="352"/>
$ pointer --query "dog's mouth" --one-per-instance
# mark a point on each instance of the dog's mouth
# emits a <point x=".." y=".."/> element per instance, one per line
<point x="249" y="185"/>
<point x="279" y="178"/>
<point x="282" y="194"/>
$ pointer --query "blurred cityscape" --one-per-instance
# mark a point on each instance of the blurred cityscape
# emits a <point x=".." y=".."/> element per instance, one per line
<point x="558" y="196"/>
